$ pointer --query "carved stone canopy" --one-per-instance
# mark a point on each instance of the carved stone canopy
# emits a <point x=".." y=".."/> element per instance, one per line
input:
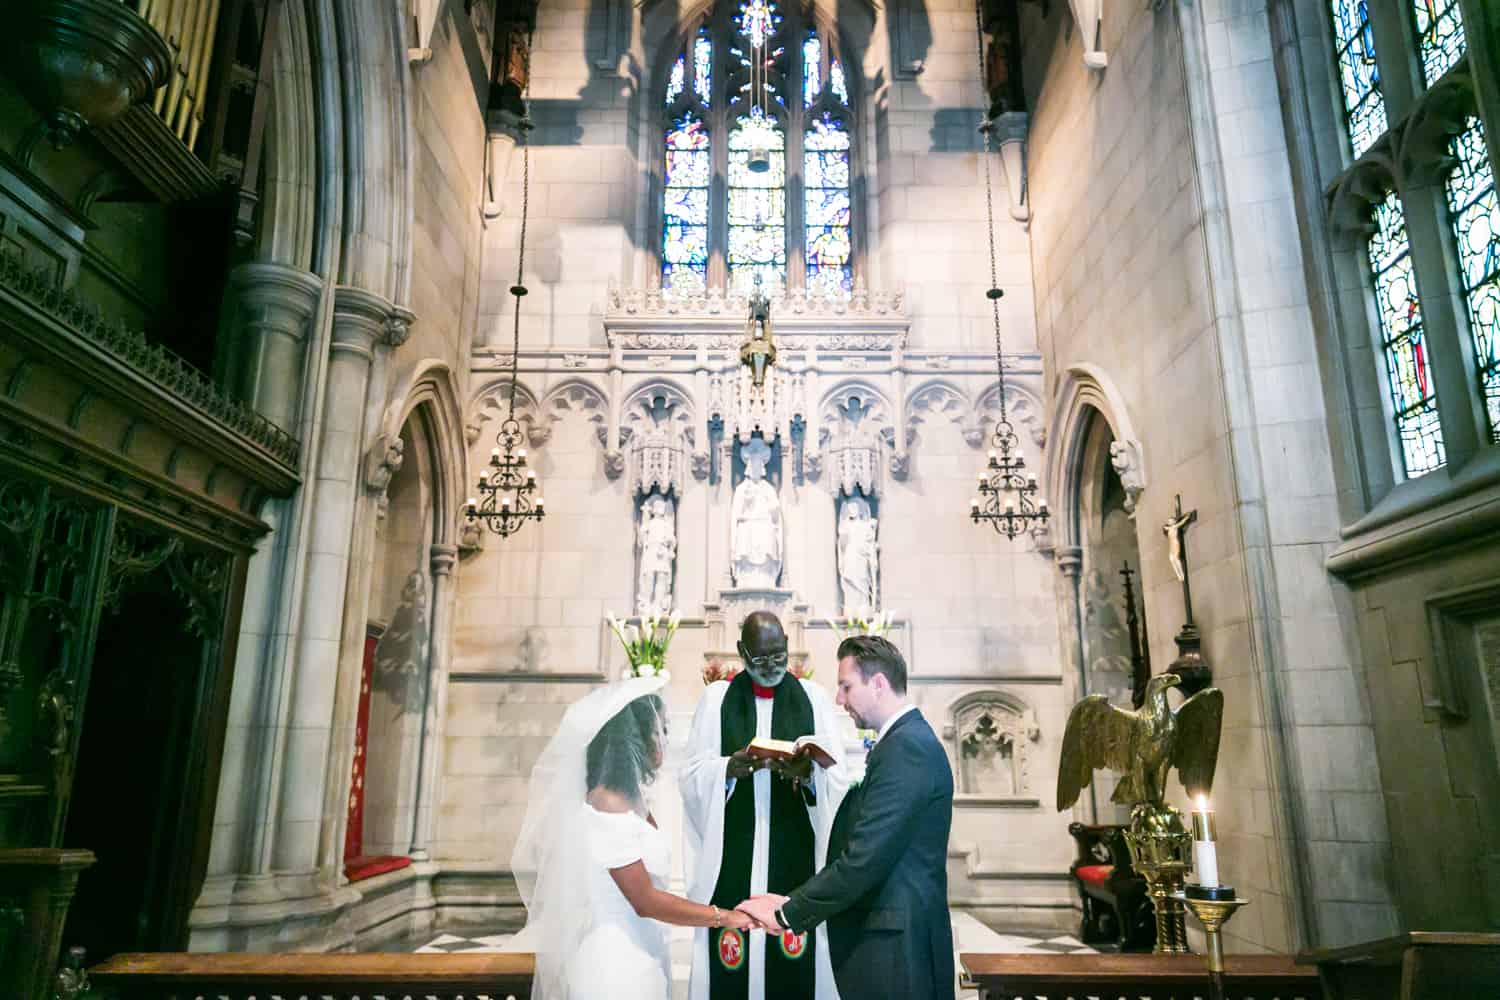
<point x="856" y="424"/>
<point x="658" y="436"/>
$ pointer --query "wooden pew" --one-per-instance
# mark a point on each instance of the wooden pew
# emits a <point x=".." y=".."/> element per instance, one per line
<point x="1420" y="965"/>
<point x="241" y="975"/>
<point x="1159" y="977"/>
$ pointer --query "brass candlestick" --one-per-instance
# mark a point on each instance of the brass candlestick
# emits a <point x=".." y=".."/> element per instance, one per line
<point x="1160" y="848"/>
<point x="1213" y="914"/>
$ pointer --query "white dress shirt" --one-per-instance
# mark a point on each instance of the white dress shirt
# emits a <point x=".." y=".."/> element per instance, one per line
<point x="892" y="721"/>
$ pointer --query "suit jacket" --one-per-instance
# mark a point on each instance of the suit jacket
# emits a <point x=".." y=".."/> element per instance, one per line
<point x="885" y="896"/>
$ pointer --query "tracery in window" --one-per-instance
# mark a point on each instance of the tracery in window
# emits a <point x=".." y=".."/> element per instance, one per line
<point x="1440" y="35"/>
<point x="1408" y="367"/>
<point x="739" y="76"/>
<point x="1359" y="75"/>
<point x="1475" y="217"/>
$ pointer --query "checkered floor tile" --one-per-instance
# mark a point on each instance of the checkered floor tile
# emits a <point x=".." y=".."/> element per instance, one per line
<point x="968" y="935"/>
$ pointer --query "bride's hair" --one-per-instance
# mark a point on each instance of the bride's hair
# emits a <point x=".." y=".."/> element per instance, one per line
<point x="623" y="755"/>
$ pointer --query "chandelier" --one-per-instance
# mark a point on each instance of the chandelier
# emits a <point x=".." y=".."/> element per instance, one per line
<point x="507" y="488"/>
<point x="1007" y="497"/>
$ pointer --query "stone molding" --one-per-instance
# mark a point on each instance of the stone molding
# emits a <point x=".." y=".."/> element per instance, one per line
<point x="283" y="298"/>
<point x="363" y="320"/>
<point x="788" y="305"/>
<point x="1083" y="391"/>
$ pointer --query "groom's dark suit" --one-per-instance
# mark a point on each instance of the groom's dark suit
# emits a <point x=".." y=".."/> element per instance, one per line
<point x="885" y="895"/>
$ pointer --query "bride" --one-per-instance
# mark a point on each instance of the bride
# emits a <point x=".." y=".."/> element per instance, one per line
<point x="590" y="862"/>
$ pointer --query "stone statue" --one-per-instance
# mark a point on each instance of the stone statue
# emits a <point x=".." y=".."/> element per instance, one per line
<point x="755" y="539"/>
<point x="656" y="539"/>
<point x="859" y="558"/>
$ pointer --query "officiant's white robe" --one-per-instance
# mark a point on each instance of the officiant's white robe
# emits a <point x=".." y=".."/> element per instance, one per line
<point x="705" y="790"/>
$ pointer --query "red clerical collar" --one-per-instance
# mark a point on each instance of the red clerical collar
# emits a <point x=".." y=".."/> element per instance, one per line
<point x="762" y="692"/>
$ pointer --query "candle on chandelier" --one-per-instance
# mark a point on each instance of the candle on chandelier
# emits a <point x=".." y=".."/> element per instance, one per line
<point x="1043" y="503"/>
<point x="1205" y="851"/>
<point x="1031" y="480"/>
<point x="992" y="456"/>
<point x="974" y="505"/>
<point x="1010" y="504"/>
<point x="484" y="478"/>
<point x="530" y="477"/>
<point x="495" y="456"/>
<point x="1020" y="458"/>
<point x="540" y="503"/>
<point x="521" y="454"/>
<point x="470" y="506"/>
<point x="505" y="503"/>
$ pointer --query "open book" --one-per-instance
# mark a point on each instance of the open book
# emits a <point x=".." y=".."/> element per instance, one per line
<point x="805" y="746"/>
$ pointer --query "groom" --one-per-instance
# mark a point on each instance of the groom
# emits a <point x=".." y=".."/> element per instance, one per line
<point x="885" y="897"/>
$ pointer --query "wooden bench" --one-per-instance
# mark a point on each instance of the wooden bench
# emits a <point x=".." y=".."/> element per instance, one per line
<point x="240" y="976"/>
<point x="1421" y="965"/>
<point x="1116" y="909"/>
<point x="1134" y="977"/>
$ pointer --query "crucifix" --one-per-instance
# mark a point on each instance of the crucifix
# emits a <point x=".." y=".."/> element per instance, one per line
<point x="1190" y="664"/>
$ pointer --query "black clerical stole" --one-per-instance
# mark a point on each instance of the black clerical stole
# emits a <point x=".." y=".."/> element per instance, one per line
<point x="791" y="971"/>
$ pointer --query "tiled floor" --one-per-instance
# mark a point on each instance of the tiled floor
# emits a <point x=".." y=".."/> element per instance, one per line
<point x="968" y="935"/>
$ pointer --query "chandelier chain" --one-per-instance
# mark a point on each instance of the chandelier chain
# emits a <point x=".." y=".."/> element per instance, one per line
<point x="519" y="289"/>
<point x="993" y="294"/>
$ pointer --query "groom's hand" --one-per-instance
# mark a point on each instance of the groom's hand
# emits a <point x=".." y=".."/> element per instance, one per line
<point x="762" y="909"/>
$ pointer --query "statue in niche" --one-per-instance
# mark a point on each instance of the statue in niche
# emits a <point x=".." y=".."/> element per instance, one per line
<point x="755" y="538"/>
<point x="656" y="539"/>
<point x="859" y="557"/>
<point x="401" y="654"/>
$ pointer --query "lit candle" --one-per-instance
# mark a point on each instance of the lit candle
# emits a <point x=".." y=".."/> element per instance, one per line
<point x="505" y="503"/>
<point x="531" y="476"/>
<point x="540" y="503"/>
<point x="1020" y="458"/>
<point x="1205" y="851"/>
<point x="494" y="454"/>
<point x="1044" y="505"/>
<point x="521" y="454"/>
<point x="992" y="456"/>
<point x="973" y="505"/>
<point x="1031" y="480"/>
<point x="471" y="505"/>
<point x="1010" y="504"/>
<point x="484" y="477"/>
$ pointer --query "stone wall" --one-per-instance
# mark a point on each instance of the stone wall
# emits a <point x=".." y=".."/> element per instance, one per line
<point x="1166" y="254"/>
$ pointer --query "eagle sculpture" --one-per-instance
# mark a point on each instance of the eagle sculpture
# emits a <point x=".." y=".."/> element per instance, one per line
<point x="1143" y="745"/>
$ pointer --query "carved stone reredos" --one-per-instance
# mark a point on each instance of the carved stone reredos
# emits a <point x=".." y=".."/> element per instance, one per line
<point x="657" y="431"/>
<point x="857" y="426"/>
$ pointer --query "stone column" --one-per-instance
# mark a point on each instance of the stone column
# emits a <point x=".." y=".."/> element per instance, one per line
<point x="900" y="460"/>
<point x="363" y="323"/>
<point x="434" y="701"/>
<point x="274" y="306"/>
<point x="1069" y="560"/>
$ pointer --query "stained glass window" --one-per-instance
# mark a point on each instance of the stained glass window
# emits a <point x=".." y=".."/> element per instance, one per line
<point x="825" y="177"/>
<point x="689" y="168"/>
<point x="703" y="57"/>
<point x="1440" y="35"/>
<point x="1359" y="76"/>
<point x="757" y="204"/>
<point x="732" y="110"/>
<point x="812" y="69"/>
<point x="1407" y="365"/>
<point x="1475" y="216"/>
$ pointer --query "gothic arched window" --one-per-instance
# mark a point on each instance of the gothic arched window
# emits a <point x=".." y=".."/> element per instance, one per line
<point x="757" y="178"/>
<point x="1428" y="356"/>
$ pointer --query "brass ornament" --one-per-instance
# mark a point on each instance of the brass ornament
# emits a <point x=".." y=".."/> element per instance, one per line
<point x="1142" y="745"/>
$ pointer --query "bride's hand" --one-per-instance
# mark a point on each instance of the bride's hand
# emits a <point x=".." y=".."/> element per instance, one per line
<point x="739" y="920"/>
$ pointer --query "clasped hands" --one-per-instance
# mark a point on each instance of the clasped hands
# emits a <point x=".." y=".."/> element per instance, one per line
<point x="762" y="911"/>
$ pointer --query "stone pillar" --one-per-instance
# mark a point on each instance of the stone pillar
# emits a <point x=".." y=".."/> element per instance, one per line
<point x="363" y="323"/>
<point x="1069" y="560"/>
<point x="900" y="460"/>
<point x="434" y="701"/>
<point x="812" y="458"/>
<point x="274" y="306"/>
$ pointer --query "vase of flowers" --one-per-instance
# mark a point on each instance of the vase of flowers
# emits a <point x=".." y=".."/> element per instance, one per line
<point x="646" y="644"/>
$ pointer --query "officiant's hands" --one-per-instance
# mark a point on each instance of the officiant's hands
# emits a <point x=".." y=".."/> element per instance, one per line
<point x="742" y="765"/>
<point x="796" y="769"/>
<point x="762" y="909"/>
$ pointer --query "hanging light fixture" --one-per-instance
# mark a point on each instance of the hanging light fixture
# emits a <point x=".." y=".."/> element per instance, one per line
<point x="759" y="159"/>
<point x="1007" y="497"/>
<point x="758" y="352"/>
<point x="507" y="488"/>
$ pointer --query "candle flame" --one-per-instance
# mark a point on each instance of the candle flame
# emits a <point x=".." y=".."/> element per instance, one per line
<point x="1203" y="803"/>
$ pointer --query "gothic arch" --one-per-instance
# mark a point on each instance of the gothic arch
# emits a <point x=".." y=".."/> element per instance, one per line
<point x="838" y="397"/>
<point x="291" y="173"/>
<point x="990" y="733"/>
<point x="935" y="398"/>
<point x="1086" y="390"/>
<point x="1023" y="407"/>
<point x="673" y="391"/>
<point x="489" y="406"/>
<point x="432" y="386"/>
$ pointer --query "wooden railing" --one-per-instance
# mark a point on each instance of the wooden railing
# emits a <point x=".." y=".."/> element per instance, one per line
<point x="1131" y="977"/>
<point x="188" y="27"/>
<point x="242" y="976"/>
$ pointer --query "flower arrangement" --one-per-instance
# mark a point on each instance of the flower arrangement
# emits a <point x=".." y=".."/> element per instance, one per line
<point x="866" y="622"/>
<point x="646" y="644"/>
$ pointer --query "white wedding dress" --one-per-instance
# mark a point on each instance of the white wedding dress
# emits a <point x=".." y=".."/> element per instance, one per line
<point x="624" y="956"/>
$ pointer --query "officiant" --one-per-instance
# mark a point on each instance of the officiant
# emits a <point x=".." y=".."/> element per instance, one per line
<point x="754" y="826"/>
